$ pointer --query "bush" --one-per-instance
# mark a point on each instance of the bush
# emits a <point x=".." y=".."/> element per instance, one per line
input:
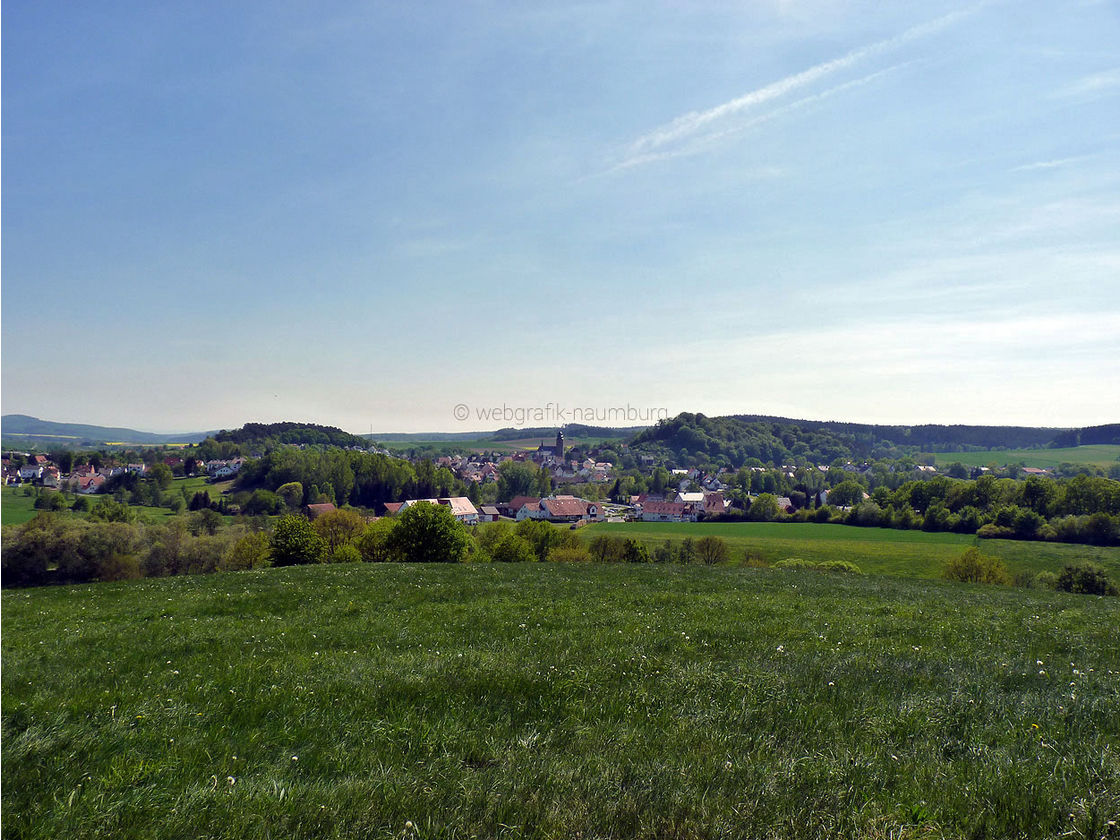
<point x="347" y="553"/>
<point x="119" y="567"/>
<point x="1045" y="580"/>
<point x="1085" y="579"/>
<point x="712" y="550"/>
<point x="251" y="551"/>
<point x="819" y="565"/>
<point x="427" y="533"/>
<point x="513" y="549"/>
<point x="561" y="554"/>
<point x="635" y="552"/>
<point x="294" y="542"/>
<point x="752" y="559"/>
<point x="373" y="542"/>
<point x="974" y="567"/>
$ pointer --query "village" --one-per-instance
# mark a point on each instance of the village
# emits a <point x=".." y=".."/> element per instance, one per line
<point x="689" y="494"/>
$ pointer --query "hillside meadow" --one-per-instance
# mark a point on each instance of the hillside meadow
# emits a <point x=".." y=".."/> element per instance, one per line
<point x="1098" y="455"/>
<point x="547" y="700"/>
<point x="875" y="550"/>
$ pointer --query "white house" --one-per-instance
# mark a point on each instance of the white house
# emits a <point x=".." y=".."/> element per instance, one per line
<point x="461" y="507"/>
<point x="668" y="512"/>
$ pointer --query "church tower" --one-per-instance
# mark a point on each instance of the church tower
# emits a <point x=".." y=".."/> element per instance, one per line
<point x="559" y="445"/>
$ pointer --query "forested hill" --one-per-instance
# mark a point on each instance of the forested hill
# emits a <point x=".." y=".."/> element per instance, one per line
<point x="266" y="434"/>
<point x="689" y="438"/>
<point x="928" y="437"/>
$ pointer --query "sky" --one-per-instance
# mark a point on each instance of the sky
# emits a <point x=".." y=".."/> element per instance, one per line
<point x="456" y="215"/>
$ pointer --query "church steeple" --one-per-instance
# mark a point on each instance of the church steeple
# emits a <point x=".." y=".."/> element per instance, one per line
<point x="559" y="444"/>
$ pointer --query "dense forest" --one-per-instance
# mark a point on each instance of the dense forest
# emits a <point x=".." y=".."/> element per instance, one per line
<point x="736" y="440"/>
<point x="266" y="435"/>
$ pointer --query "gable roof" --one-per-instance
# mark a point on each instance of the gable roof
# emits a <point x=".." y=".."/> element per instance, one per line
<point x="565" y="506"/>
<point x="320" y="509"/>
<point x="665" y="508"/>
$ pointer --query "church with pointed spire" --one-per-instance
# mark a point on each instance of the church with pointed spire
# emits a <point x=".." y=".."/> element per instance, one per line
<point x="555" y="451"/>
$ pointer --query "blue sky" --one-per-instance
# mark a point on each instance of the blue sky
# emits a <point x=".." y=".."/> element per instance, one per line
<point x="364" y="214"/>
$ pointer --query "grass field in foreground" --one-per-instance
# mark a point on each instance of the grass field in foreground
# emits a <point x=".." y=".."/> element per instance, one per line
<point x="1101" y="455"/>
<point x="541" y="700"/>
<point x="874" y="550"/>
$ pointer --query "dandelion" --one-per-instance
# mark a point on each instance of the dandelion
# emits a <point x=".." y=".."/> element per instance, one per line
<point x="295" y="758"/>
<point x="232" y="781"/>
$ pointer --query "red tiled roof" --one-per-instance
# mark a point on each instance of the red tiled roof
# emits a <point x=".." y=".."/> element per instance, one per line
<point x="320" y="509"/>
<point x="517" y="501"/>
<point x="664" y="508"/>
<point x="565" y="506"/>
<point x="393" y="507"/>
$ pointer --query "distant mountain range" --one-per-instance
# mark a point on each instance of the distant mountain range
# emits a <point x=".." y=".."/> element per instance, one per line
<point x="48" y="432"/>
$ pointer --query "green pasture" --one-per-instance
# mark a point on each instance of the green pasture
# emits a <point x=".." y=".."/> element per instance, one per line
<point x="17" y="508"/>
<point x="874" y="550"/>
<point x="1102" y="455"/>
<point x="551" y="701"/>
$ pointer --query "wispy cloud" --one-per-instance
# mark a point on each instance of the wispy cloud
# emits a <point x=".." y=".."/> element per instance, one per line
<point x="701" y="141"/>
<point x="1104" y="83"/>
<point x="660" y="142"/>
<point x="1051" y="164"/>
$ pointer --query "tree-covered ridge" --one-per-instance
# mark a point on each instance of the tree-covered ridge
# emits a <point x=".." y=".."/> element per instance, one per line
<point x="310" y="434"/>
<point x="734" y="440"/>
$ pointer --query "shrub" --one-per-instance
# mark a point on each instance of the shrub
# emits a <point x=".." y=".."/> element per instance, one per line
<point x="294" y="542"/>
<point x="819" y="565"/>
<point x="561" y="554"/>
<point x="427" y="533"/>
<point x="755" y="560"/>
<point x="513" y="549"/>
<point x="373" y="543"/>
<point x="339" y="527"/>
<point x="119" y="567"/>
<point x="1045" y="580"/>
<point x="249" y="552"/>
<point x="974" y="567"/>
<point x="1085" y="579"/>
<point x="712" y="550"/>
<point x="346" y="554"/>
<point x="635" y="552"/>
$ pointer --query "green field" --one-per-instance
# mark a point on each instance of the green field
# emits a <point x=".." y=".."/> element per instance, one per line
<point x="1103" y="455"/>
<point x="874" y="550"/>
<point x="541" y="700"/>
<point x="16" y="508"/>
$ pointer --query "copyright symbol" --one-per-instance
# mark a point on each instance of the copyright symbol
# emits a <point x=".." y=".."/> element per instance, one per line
<point x="461" y="411"/>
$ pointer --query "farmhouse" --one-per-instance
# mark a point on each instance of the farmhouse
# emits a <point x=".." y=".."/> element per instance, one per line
<point x="668" y="512"/>
<point x="568" y="509"/>
<point x="461" y="507"/>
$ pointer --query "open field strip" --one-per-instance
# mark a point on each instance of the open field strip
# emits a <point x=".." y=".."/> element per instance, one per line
<point x="1099" y="455"/>
<point x="540" y="700"/>
<point x="874" y="550"/>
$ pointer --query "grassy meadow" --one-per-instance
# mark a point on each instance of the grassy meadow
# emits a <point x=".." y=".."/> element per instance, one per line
<point x="874" y="550"/>
<point x="1101" y="455"/>
<point x="17" y="508"/>
<point x="543" y="700"/>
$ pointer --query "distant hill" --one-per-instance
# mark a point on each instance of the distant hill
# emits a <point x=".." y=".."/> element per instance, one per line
<point x="571" y="431"/>
<point x="49" y="433"/>
<point x="290" y="432"/>
<point x="734" y="440"/>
